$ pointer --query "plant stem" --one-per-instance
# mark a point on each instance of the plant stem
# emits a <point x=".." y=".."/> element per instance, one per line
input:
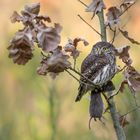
<point x="52" y="112"/>
<point x="118" y="129"/>
<point x="102" y="25"/>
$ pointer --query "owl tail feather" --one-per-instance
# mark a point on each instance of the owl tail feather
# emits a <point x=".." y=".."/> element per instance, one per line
<point x="80" y="93"/>
<point x="96" y="105"/>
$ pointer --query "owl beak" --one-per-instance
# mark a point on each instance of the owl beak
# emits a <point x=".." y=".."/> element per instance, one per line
<point x="100" y="52"/>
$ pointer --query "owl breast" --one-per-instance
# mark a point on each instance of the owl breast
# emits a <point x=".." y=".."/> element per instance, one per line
<point x="104" y="75"/>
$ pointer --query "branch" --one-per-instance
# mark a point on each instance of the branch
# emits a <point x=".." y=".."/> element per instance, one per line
<point x="138" y="107"/>
<point x="83" y="3"/>
<point x="102" y="25"/>
<point x="90" y="84"/>
<point x="89" y="25"/>
<point x="81" y="75"/>
<point x="114" y="35"/>
<point x="119" y="130"/>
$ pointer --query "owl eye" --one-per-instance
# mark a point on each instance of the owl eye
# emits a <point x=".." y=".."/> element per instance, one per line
<point x="106" y="49"/>
<point x="97" y="49"/>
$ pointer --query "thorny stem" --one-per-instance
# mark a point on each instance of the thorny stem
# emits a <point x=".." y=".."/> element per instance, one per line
<point x="118" y="129"/>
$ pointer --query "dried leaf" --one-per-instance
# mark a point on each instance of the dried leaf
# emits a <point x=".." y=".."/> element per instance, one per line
<point x="133" y="79"/>
<point x="55" y="63"/>
<point x="49" y="37"/>
<point x="126" y="4"/>
<point x="21" y="47"/>
<point x="123" y="121"/>
<point x="125" y="34"/>
<point x="113" y="15"/>
<point x="122" y="85"/>
<point x="15" y="17"/>
<point x="45" y="18"/>
<point x="123" y="54"/>
<point x="33" y="8"/>
<point x="71" y="46"/>
<point x="96" y="6"/>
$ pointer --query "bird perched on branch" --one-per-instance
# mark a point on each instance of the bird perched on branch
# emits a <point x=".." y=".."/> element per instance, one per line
<point x="99" y="67"/>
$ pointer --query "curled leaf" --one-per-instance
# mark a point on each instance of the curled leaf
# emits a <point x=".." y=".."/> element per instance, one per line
<point x="113" y="15"/>
<point x="56" y="62"/>
<point x="123" y="54"/>
<point x="49" y="37"/>
<point x="133" y="79"/>
<point x="33" y="8"/>
<point x="95" y="7"/>
<point x="126" y="4"/>
<point x="123" y="121"/>
<point x="71" y="46"/>
<point x="45" y="18"/>
<point x="21" y="47"/>
<point x="125" y="34"/>
<point x="15" y="17"/>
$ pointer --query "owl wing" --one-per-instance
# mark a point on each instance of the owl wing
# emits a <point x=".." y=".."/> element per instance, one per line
<point x="96" y="69"/>
<point x="92" y="68"/>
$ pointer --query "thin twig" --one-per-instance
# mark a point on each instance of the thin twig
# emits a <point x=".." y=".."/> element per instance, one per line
<point x="83" y="3"/>
<point x="88" y="80"/>
<point x="114" y="35"/>
<point x="138" y="107"/>
<point x="106" y="98"/>
<point x="73" y="76"/>
<point x="78" y="79"/>
<point x="89" y="25"/>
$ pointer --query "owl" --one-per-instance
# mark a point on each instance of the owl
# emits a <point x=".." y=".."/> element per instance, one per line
<point x="99" y="67"/>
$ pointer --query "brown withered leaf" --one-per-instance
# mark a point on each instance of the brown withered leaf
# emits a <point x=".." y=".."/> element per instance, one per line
<point x="125" y="34"/>
<point x="123" y="121"/>
<point x="55" y="63"/>
<point x="133" y="79"/>
<point x="113" y="15"/>
<point x="21" y="47"/>
<point x="49" y="37"/>
<point x="45" y="18"/>
<point x="33" y="8"/>
<point x="71" y="46"/>
<point x="95" y="7"/>
<point x="126" y="4"/>
<point x="122" y="85"/>
<point x="15" y="17"/>
<point x="123" y="54"/>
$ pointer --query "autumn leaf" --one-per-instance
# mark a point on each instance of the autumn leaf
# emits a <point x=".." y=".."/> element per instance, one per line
<point x="113" y="15"/>
<point x="123" y="121"/>
<point x="123" y="54"/>
<point x="21" y="47"/>
<point x="56" y="62"/>
<point x="71" y="46"/>
<point x="133" y="79"/>
<point x="33" y="8"/>
<point x="15" y="17"/>
<point x="95" y="7"/>
<point x="125" y="34"/>
<point x="126" y="4"/>
<point x="122" y="85"/>
<point x="49" y="37"/>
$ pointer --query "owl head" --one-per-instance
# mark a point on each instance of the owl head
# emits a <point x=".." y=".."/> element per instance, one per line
<point x="103" y="48"/>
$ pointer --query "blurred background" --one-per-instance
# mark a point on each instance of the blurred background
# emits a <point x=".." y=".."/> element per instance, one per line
<point x="34" y="107"/>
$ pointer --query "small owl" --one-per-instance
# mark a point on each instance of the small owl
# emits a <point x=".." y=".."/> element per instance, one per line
<point x="100" y="67"/>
